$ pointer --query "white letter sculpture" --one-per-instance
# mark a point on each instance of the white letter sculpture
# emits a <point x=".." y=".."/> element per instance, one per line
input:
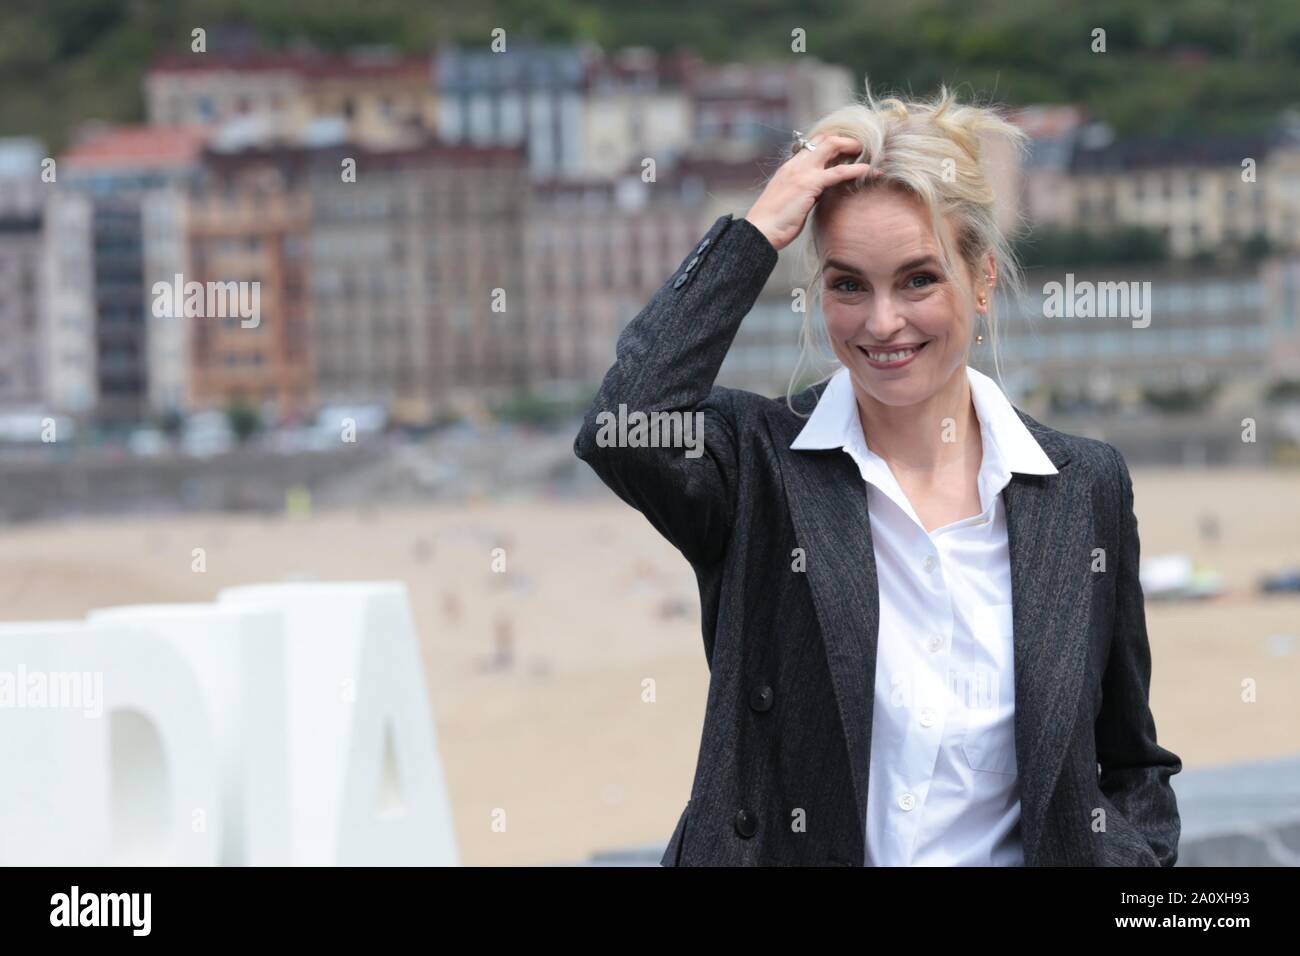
<point x="284" y="724"/>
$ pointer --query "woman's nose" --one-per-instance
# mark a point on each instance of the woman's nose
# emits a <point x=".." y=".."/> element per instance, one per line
<point x="882" y="319"/>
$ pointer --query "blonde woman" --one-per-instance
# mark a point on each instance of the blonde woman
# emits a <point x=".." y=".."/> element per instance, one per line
<point x="921" y="608"/>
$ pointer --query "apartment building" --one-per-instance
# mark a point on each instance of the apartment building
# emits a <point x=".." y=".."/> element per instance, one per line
<point x="597" y="250"/>
<point x="376" y="94"/>
<point x="585" y="113"/>
<point x="1183" y="326"/>
<point x="68" y="307"/>
<point x="636" y="108"/>
<point x="417" y="280"/>
<point x="248" y="220"/>
<point x="23" y="381"/>
<point x="742" y="111"/>
<point x="1203" y="192"/>
<point x="120" y="173"/>
<point x="530" y="97"/>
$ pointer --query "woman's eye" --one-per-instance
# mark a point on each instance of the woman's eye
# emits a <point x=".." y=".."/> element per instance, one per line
<point x="920" y="280"/>
<point x="838" y="284"/>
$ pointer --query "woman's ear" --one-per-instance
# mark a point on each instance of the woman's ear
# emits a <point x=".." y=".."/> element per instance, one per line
<point x="984" y="284"/>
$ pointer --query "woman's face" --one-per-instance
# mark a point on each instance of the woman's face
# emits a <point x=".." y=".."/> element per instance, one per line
<point x="894" y="319"/>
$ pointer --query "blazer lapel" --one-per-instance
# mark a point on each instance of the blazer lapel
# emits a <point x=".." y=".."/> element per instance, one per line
<point x="828" y="507"/>
<point x="1049" y="537"/>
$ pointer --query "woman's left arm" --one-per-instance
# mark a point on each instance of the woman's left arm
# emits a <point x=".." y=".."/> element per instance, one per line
<point x="1135" y="770"/>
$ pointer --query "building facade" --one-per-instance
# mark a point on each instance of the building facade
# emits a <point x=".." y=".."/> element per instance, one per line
<point x="23" y="370"/>
<point x="1204" y="194"/>
<point x="248" y="223"/>
<point x="117" y="172"/>
<point x="376" y="94"/>
<point x="409" y="264"/>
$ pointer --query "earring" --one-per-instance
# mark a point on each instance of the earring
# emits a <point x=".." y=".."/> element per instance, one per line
<point x="983" y="301"/>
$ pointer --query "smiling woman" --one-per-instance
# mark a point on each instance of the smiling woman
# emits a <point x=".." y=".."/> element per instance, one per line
<point x="916" y="656"/>
<point x="925" y="225"/>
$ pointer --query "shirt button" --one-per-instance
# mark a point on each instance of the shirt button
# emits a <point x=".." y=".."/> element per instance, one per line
<point x="934" y="643"/>
<point x="930" y="562"/>
<point x="907" y="801"/>
<point x="927" y="717"/>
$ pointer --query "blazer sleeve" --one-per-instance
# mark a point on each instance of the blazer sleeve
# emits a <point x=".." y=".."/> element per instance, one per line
<point x="667" y="359"/>
<point x="1135" y="770"/>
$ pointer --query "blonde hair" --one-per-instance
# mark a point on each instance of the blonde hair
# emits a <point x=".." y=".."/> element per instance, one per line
<point x="936" y="151"/>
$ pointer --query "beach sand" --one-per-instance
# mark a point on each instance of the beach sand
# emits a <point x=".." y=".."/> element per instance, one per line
<point x="595" y="604"/>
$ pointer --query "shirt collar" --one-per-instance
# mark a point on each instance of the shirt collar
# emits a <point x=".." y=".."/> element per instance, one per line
<point x="1009" y="446"/>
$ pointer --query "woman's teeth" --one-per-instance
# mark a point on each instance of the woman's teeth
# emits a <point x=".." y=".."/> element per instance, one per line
<point x="891" y="356"/>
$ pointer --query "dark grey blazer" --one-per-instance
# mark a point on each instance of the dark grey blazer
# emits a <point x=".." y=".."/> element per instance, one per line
<point x="792" y="654"/>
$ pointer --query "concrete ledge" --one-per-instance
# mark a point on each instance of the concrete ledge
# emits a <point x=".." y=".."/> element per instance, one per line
<point x="1244" y="814"/>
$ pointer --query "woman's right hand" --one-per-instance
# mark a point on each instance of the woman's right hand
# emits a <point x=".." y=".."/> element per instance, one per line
<point x="782" y="209"/>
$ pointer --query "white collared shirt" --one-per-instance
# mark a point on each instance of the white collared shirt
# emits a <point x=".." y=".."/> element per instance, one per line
<point x="943" y="789"/>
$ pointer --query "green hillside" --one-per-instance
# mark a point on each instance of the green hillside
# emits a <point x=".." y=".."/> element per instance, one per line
<point x="1183" y="66"/>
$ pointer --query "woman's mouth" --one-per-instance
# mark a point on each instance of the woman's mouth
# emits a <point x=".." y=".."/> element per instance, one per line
<point x="894" y="357"/>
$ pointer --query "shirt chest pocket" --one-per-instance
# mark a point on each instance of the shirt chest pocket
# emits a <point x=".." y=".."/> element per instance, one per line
<point x="984" y="684"/>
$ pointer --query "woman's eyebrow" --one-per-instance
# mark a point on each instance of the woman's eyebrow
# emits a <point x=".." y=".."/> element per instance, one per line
<point x="908" y="266"/>
<point x="842" y="266"/>
<point x="916" y="263"/>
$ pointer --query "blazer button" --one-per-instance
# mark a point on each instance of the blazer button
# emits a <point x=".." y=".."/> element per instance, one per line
<point x="681" y="281"/>
<point x="761" y="699"/>
<point x="703" y="245"/>
<point x="693" y="263"/>
<point x="746" y="824"/>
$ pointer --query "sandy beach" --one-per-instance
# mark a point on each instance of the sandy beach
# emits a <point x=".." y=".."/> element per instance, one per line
<point x="595" y="603"/>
